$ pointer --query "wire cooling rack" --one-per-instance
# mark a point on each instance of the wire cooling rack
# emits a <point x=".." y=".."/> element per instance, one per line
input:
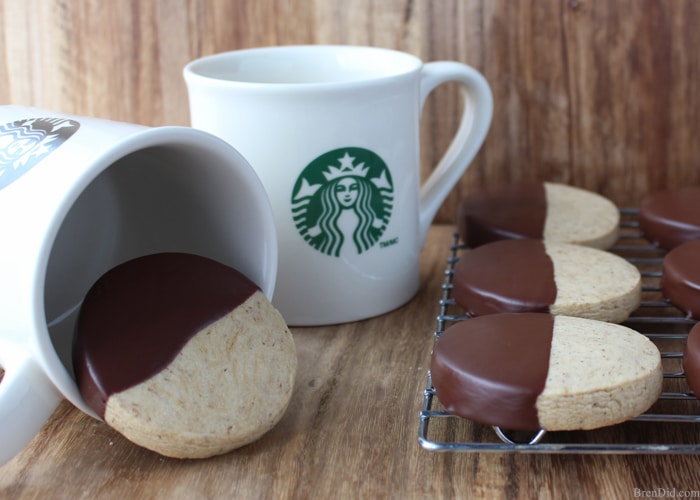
<point x="671" y="425"/>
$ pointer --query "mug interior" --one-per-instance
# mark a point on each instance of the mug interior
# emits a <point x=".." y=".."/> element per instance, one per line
<point x="312" y="64"/>
<point x="172" y="194"/>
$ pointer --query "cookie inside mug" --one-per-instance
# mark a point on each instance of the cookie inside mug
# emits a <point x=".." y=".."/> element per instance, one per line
<point x="171" y="197"/>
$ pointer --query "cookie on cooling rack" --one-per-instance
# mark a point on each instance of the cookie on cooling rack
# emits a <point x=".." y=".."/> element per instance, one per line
<point x="671" y="217"/>
<point x="183" y="355"/>
<point x="691" y="360"/>
<point x="539" y="210"/>
<point x="525" y="275"/>
<point x="532" y="371"/>
<point x="680" y="278"/>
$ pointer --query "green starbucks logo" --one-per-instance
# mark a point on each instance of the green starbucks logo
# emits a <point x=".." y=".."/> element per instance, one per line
<point x="342" y="201"/>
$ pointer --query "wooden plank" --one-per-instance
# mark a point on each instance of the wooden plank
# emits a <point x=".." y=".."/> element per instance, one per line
<point x="597" y="94"/>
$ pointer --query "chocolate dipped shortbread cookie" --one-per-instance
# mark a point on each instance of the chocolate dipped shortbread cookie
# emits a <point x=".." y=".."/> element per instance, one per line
<point x="691" y="359"/>
<point x="526" y="275"/>
<point x="533" y="371"/>
<point x="183" y="355"/>
<point x="539" y="210"/>
<point x="671" y="217"/>
<point x="680" y="278"/>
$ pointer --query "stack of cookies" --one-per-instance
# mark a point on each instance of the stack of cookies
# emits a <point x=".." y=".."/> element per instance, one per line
<point x="544" y="348"/>
<point x="671" y="220"/>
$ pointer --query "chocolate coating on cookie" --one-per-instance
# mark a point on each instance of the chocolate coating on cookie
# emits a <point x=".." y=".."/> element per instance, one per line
<point x="491" y="369"/>
<point x="671" y="217"/>
<point x="502" y="212"/>
<point x="138" y="316"/>
<point x="691" y="359"/>
<point x="505" y="276"/>
<point x="680" y="281"/>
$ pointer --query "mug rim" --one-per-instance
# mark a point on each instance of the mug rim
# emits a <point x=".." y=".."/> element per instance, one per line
<point x="206" y="70"/>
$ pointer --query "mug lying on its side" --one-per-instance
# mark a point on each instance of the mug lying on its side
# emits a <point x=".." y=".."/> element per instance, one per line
<point x="80" y="196"/>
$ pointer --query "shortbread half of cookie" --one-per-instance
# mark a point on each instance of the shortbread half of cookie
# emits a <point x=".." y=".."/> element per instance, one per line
<point x="540" y="210"/>
<point x="183" y="355"/>
<point x="526" y="275"/>
<point x="531" y="371"/>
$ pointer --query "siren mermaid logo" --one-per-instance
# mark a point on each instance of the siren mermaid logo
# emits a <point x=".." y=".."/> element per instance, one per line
<point x="342" y="201"/>
<point x="24" y="143"/>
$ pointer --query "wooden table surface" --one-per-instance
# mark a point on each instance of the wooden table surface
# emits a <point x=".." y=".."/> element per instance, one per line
<point x="350" y="432"/>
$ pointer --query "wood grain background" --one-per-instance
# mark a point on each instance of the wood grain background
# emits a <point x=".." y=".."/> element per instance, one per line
<point x="603" y="95"/>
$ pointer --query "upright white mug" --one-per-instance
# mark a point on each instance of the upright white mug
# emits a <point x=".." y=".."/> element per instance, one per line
<point x="333" y="133"/>
<point x="79" y="196"/>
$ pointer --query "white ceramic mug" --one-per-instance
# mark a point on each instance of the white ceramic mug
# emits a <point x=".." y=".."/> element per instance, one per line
<point x="333" y="133"/>
<point x="79" y="196"/>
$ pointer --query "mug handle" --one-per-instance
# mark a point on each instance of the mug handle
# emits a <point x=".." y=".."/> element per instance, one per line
<point x="27" y="400"/>
<point x="475" y="123"/>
